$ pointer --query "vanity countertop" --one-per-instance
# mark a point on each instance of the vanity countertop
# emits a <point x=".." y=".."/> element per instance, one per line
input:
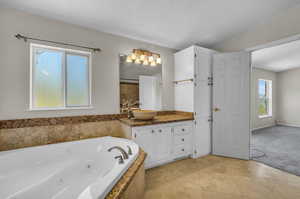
<point x="175" y="116"/>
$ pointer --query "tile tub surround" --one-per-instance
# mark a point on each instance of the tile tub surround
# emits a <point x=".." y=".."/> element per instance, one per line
<point x="21" y="123"/>
<point x="22" y="133"/>
<point x="42" y="135"/>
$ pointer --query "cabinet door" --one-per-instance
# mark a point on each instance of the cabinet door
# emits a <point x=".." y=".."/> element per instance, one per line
<point x="184" y="64"/>
<point x="162" y="143"/>
<point x="144" y="138"/>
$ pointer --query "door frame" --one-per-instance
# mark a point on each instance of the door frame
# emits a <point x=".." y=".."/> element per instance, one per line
<point x="260" y="47"/>
<point x="251" y="50"/>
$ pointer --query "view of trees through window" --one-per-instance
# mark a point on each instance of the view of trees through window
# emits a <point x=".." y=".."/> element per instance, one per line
<point x="264" y="92"/>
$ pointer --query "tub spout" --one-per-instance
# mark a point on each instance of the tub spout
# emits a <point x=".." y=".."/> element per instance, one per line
<point x="124" y="153"/>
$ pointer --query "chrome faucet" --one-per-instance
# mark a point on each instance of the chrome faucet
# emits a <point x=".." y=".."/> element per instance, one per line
<point x="124" y="153"/>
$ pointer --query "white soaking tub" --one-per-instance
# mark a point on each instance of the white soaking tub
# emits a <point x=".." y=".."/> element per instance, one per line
<point x="82" y="169"/>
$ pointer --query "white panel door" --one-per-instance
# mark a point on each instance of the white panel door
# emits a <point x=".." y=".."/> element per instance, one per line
<point x="231" y="105"/>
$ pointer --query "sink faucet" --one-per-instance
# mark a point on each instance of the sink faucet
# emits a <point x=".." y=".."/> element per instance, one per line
<point x="124" y="153"/>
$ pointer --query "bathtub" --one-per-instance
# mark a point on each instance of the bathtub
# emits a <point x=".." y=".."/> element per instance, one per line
<point x="72" y="170"/>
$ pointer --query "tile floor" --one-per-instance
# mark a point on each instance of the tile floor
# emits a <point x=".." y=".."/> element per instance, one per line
<point x="213" y="177"/>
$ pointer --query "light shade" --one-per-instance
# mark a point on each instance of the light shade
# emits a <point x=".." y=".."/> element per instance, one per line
<point x="151" y="59"/>
<point x="146" y="62"/>
<point x="128" y="59"/>
<point x="142" y="57"/>
<point x="158" y="60"/>
<point x="137" y="61"/>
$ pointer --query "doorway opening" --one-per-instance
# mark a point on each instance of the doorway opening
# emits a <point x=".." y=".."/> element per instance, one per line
<point x="275" y="106"/>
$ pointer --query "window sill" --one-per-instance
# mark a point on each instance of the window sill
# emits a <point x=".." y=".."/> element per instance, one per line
<point x="60" y="109"/>
<point x="264" y="116"/>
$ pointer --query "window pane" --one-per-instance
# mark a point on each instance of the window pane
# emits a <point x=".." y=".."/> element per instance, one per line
<point x="263" y="97"/>
<point x="47" y="78"/>
<point x="262" y="88"/>
<point x="77" y="80"/>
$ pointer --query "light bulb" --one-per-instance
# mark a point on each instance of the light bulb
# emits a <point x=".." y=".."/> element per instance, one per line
<point x="128" y="59"/>
<point x="133" y="56"/>
<point x="146" y="62"/>
<point x="151" y="59"/>
<point x="153" y="64"/>
<point x="158" y="60"/>
<point x="137" y="61"/>
<point x="142" y="57"/>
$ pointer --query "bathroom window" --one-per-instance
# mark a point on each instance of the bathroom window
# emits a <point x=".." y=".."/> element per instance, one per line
<point x="265" y="98"/>
<point x="60" y="78"/>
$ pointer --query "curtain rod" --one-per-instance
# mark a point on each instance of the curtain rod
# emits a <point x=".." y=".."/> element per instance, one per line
<point x="19" y="36"/>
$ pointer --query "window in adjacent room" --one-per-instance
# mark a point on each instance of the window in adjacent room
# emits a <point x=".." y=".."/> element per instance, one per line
<point x="265" y="98"/>
<point x="60" y="78"/>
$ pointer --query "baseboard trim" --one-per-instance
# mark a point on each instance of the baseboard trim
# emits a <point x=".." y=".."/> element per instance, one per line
<point x="263" y="127"/>
<point x="283" y="123"/>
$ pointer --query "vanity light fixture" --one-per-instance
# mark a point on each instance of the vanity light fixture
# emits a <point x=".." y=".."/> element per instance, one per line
<point x="144" y="57"/>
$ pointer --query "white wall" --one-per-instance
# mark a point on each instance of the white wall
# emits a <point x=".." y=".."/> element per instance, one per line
<point x="257" y="122"/>
<point x="14" y="64"/>
<point x="280" y="26"/>
<point x="289" y="97"/>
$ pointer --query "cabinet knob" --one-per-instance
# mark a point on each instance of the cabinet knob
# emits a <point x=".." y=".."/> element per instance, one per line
<point x="182" y="139"/>
<point x="152" y="131"/>
<point x="182" y="129"/>
<point x="182" y="149"/>
<point x="160" y="130"/>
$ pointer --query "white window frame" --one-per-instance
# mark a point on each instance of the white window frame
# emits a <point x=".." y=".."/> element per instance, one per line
<point x="65" y="51"/>
<point x="269" y="97"/>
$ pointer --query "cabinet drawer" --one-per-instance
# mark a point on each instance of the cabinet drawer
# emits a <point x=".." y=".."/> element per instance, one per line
<point x="181" y="151"/>
<point x="181" y="139"/>
<point x="181" y="130"/>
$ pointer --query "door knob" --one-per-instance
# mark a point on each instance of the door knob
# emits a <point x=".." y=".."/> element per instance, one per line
<point x="216" y="109"/>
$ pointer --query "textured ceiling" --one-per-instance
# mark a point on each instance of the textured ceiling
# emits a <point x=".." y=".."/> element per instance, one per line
<point x="171" y="23"/>
<point x="278" y="58"/>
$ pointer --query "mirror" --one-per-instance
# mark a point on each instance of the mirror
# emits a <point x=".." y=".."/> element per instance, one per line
<point x="140" y="86"/>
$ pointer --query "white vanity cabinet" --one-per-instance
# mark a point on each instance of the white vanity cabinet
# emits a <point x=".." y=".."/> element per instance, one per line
<point x="164" y="142"/>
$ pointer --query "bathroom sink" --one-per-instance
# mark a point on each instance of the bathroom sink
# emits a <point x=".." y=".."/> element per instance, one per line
<point x="144" y="114"/>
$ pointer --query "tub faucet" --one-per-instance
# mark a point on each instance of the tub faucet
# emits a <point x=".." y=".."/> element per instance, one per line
<point x="124" y="153"/>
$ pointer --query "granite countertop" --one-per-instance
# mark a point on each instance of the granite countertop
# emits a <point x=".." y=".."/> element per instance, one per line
<point x="160" y="119"/>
